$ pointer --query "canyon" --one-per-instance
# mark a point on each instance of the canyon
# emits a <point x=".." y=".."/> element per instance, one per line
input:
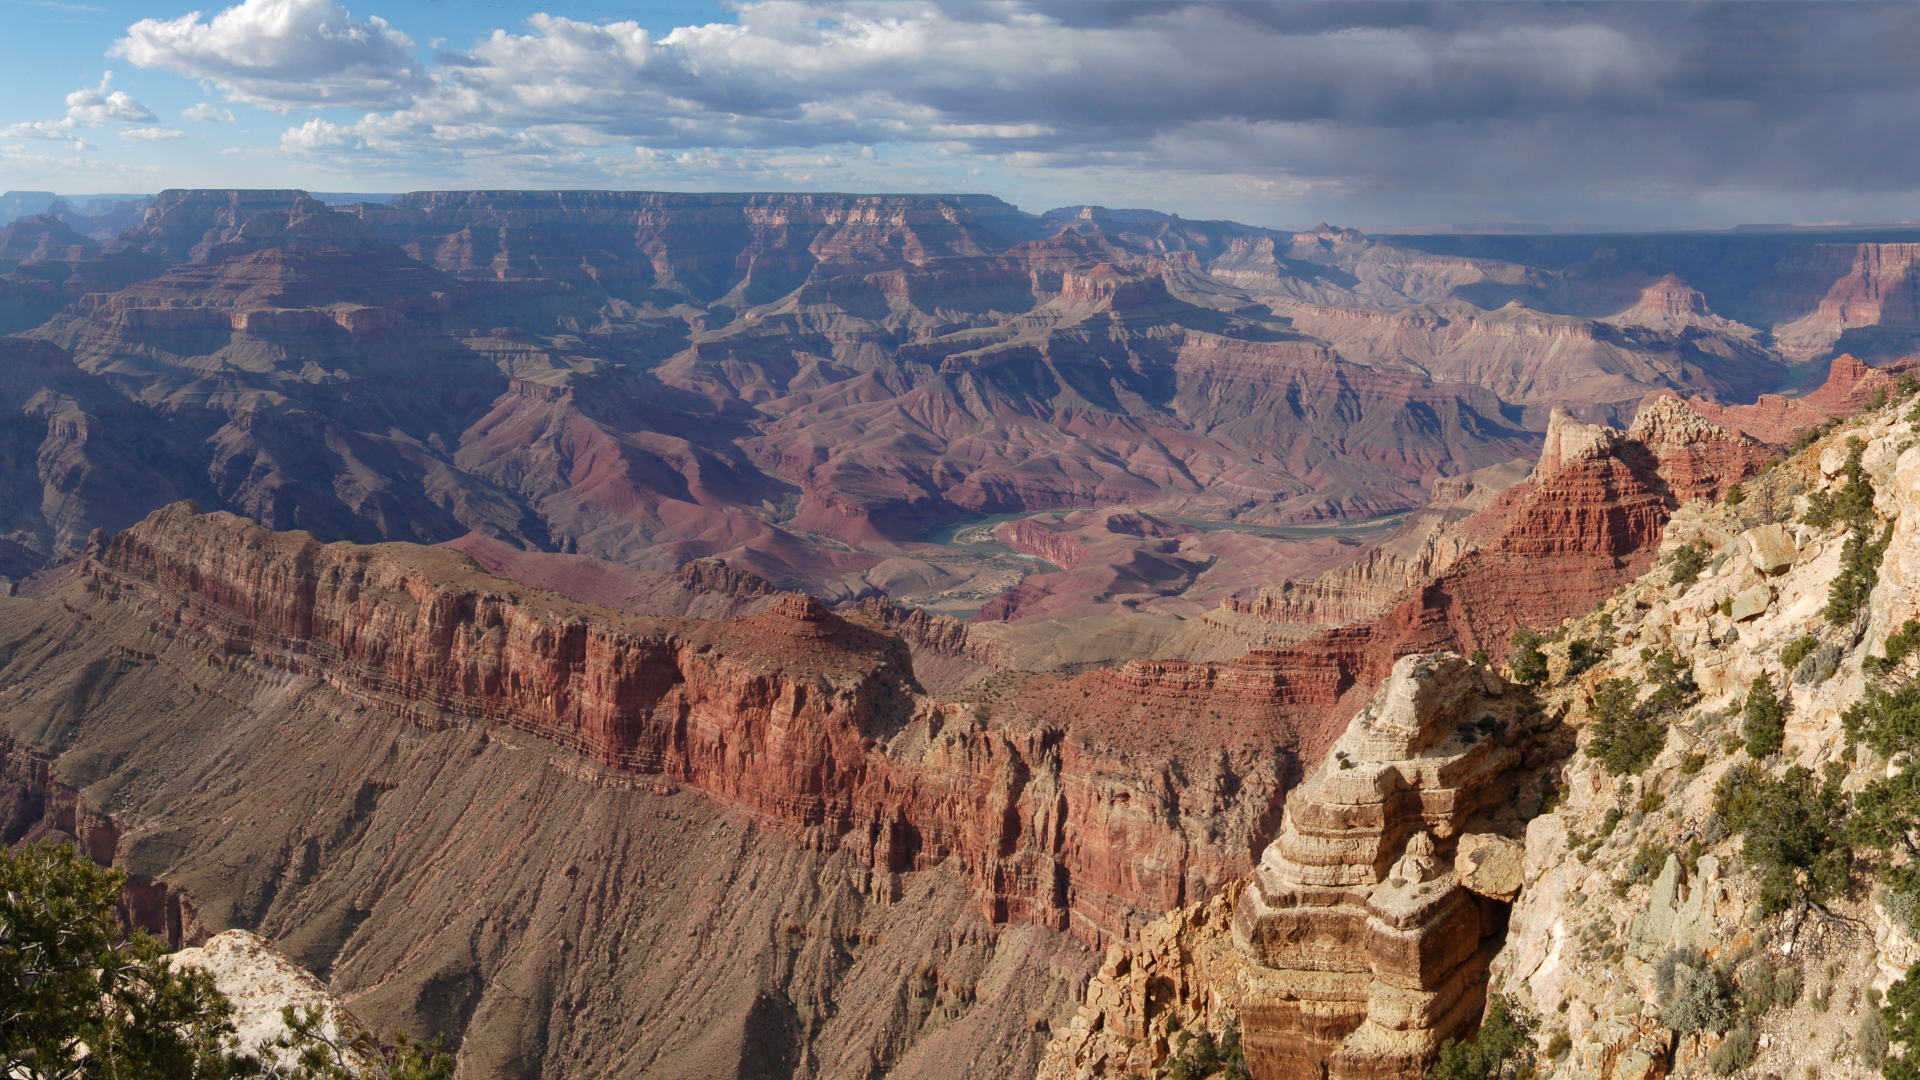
<point x="805" y="386"/>
<point x="655" y="634"/>
<point x="942" y="870"/>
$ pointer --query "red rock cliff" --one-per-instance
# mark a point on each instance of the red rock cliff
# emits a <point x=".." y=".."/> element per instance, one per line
<point x="812" y="720"/>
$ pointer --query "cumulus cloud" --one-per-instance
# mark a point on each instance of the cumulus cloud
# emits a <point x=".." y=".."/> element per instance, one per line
<point x="152" y="134"/>
<point x="284" y="55"/>
<point x="208" y="113"/>
<point x="101" y="105"/>
<point x="89" y="107"/>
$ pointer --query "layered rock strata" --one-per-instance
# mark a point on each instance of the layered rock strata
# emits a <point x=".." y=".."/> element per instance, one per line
<point x="1363" y="938"/>
<point x="812" y="720"/>
<point x="1364" y="948"/>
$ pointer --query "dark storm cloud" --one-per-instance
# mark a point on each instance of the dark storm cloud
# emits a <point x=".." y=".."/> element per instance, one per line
<point x="1363" y="97"/>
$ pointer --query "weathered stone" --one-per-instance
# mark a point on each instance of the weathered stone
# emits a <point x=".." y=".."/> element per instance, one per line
<point x="260" y="983"/>
<point x="1770" y="548"/>
<point x="1490" y="865"/>
<point x="1362" y="955"/>
<point x="1751" y="602"/>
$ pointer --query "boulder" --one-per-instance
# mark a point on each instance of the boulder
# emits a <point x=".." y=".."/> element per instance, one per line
<point x="1750" y="603"/>
<point x="1490" y="865"/>
<point x="1770" y="548"/>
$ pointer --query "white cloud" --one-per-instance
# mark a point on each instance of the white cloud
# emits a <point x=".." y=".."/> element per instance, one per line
<point x="318" y="134"/>
<point x="41" y="129"/>
<point x="284" y="55"/>
<point x="1508" y="109"/>
<point x="152" y="134"/>
<point x="208" y="113"/>
<point x="103" y="106"/>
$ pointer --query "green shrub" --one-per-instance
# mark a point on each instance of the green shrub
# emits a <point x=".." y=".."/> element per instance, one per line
<point x="1624" y="739"/>
<point x="1796" y="831"/>
<point x="1886" y="720"/>
<point x="1672" y="682"/>
<point x="1766" y="719"/>
<point x="1819" y="667"/>
<point x="1477" y="658"/>
<point x="1786" y="988"/>
<point x="83" y="996"/>
<point x="1899" y="644"/>
<point x="1505" y="1039"/>
<point x="1797" y="650"/>
<point x="1765" y="989"/>
<point x="1886" y="812"/>
<point x="1688" y="561"/>
<point x="1583" y="654"/>
<point x="1872" y="1039"/>
<point x="1736" y="1051"/>
<point x="1693" y="763"/>
<point x="1646" y="863"/>
<point x="1853" y="499"/>
<point x="1859" y="572"/>
<point x="1812" y="435"/>
<point x="1558" y="1045"/>
<point x="1651" y="802"/>
<point x="1735" y="495"/>
<point x="1699" y="999"/>
<point x="1528" y="664"/>
<point x="1899" y="1026"/>
<point x="1904" y="906"/>
<point x="1610" y="822"/>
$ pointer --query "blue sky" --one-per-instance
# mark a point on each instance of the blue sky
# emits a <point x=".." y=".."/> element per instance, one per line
<point x="1285" y="114"/>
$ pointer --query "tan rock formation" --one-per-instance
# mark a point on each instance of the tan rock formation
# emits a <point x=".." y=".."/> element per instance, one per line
<point x="1363" y="948"/>
<point x="261" y="983"/>
<point x="1569" y="440"/>
<point x="1182" y="974"/>
<point x="1490" y="864"/>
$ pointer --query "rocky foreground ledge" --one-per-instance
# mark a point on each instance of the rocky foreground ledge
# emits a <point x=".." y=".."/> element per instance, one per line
<point x="1629" y="901"/>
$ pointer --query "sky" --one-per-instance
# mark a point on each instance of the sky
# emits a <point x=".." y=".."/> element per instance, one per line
<point x="1283" y="115"/>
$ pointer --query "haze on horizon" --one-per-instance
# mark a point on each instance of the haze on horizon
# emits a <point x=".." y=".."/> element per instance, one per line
<point x="1620" y="115"/>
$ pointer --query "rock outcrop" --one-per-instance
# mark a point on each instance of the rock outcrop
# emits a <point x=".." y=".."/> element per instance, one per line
<point x="1364" y="948"/>
<point x="1774" y="419"/>
<point x="261" y="984"/>
<point x="1364" y="936"/>
<point x="1626" y="884"/>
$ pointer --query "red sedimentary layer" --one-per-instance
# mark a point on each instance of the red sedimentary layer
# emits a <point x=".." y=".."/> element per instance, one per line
<point x="804" y="716"/>
<point x="1032" y="538"/>
<point x="1774" y="419"/>
<point x="1563" y="543"/>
